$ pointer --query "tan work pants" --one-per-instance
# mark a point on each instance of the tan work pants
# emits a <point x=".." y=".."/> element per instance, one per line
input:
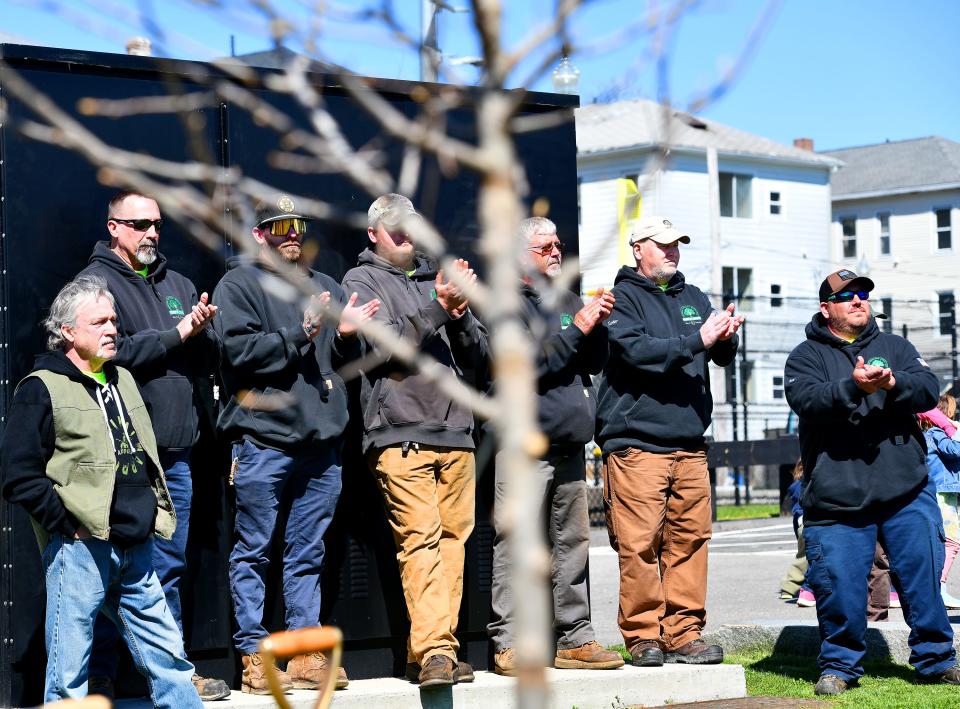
<point x="429" y="498"/>
<point x="658" y="518"/>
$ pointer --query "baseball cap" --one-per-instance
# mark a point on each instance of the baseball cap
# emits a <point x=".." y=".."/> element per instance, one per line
<point x="659" y="229"/>
<point x="280" y="206"/>
<point x="842" y="280"/>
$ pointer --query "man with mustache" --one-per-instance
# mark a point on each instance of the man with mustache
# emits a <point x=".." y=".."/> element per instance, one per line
<point x="285" y="410"/>
<point x="79" y="454"/>
<point x="164" y="341"/>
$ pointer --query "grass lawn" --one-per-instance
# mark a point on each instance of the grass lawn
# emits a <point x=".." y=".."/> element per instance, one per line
<point x="728" y="512"/>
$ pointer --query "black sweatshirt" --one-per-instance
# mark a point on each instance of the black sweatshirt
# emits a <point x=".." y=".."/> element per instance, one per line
<point x="281" y="388"/>
<point x="859" y="450"/>
<point x="29" y="441"/>
<point x="148" y="344"/>
<point x="655" y="390"/>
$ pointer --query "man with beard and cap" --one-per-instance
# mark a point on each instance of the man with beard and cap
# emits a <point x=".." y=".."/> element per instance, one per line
<point x="572" y="345"/>
<point x="285" y="411"/>
<point x="654" y="407"/>
<point x="856" y="391"/>
<point x="418" y="440"/>
<point x="79" y="454"/>
<point x="164" y="340"/>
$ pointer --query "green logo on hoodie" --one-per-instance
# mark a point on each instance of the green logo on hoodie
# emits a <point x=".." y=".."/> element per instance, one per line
<point x="879" y="362"/>
<point x="566" y="320"/>
<point x="175" y="307"/>
<point x="689" y="314"/>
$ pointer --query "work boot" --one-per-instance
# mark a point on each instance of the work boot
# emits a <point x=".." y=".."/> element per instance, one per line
<point x="589" y="656"/>
<point x="438" y="670"/>
<point x="310" y="671"/>
<point x="831" y="685"/>
<point x="646" y="654"/>
<point x="210" y="689"/>
<point x="254" y="677"/>
<point x="463" y="673"/>
<point x="101" y="685"/>
<point x="505" y="662"/>
<point x="696" y="652"/>
<point x="949" y="676"/>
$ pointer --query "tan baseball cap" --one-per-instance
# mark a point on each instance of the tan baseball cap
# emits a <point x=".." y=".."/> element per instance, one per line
<point x="659" y="229"/>
<point x="842" y="280"/>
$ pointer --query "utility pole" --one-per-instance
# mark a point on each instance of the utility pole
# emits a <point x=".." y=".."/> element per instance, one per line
<point x="744" y="388"/>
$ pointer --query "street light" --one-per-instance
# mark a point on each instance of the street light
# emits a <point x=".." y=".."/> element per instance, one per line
<point x="566" y="77"/>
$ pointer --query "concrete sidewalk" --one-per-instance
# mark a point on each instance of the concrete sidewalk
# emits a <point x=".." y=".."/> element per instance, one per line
<point x="569" y="688"/>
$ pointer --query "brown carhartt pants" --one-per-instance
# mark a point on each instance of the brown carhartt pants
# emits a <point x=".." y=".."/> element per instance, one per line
<point x="429" y="496"/>
<point x="658" y="518"/>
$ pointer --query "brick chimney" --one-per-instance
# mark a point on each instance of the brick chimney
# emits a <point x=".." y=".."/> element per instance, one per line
<point x="803" y="143"/>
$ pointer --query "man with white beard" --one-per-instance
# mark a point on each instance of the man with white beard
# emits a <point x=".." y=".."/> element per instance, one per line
<point x="164" y="341"/>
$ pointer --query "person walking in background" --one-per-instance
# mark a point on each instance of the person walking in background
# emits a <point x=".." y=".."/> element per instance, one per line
<point x="794" y="583"/>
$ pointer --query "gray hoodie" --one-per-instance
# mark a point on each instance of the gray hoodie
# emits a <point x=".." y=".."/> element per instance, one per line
<point x="400" y="404"/>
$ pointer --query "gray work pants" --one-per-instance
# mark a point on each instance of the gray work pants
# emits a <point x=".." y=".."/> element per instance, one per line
<point x="562" y="493"/>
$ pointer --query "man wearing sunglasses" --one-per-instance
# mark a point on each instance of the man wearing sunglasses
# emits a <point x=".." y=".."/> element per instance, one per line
<point x="164" y="340"/>
<point x="857" y="390"/>
<point x="285" y="410"/>
<point x="572" y="346"/>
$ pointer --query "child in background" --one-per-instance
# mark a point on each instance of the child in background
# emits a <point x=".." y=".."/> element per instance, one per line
<point x="794" y="583"/>
<point x="943" y="462"/>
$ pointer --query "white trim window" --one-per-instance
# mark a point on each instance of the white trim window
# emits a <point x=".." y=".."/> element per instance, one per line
<point x="848" y="229"/>
<point x="945" y="309"/>
<point x="944" y="228"/>
<point x="736" y="195"/>
<point x="776" y="205"/>
<point x="883" y="220"/>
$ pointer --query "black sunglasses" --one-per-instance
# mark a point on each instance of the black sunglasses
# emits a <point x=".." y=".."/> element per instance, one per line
<point x="140" y="224"/>
<point x="847" y="295"/>
<point x="547" y="249"/>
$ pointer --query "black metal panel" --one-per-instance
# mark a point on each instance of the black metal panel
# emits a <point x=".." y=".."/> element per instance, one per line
<point x="53" y="210"/>
<point x="770" y="451"/>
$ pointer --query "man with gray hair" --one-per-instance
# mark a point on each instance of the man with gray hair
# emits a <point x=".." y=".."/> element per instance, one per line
<point x="418" y="440"/>
<point x="79" y="454"/>
<point x="572" y="345"/>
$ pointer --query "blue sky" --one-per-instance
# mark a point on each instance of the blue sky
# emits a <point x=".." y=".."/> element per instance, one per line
<point x="843" y="72"/>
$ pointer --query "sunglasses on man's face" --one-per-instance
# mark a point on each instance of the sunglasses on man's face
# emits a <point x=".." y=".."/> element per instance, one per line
<point x="547" y="249"/>
<point x="281" y="227"/>
<point x="140" y="224"/>
<point x="847" y="295"/>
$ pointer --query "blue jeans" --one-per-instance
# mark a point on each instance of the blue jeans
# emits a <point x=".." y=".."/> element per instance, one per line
<point x="310" y="482"/>
<point x="840" y="557"/>
<point x="169" y="561"/>
<point x="85" y="578"/>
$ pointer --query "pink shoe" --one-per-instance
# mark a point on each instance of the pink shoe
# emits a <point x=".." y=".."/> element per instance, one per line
<point x="894" y="599"/>
<point x="806" y="599"/>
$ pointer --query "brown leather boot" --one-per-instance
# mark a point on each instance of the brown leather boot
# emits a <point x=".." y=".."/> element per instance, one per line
<point x="505" y="662"/>
<point x="591" y="656"/>
<point x="437" y="670"/>
<point x="254" y="678"/>
<point x="310" y="671"/>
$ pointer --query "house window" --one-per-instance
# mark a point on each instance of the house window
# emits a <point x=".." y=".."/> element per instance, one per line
<point x="775" y="203"/>
<point x="884" y="219"/>
<point x="738" y="287"/>
<point x="778" y="387"/>
<point x="735" y="195"/>
<point x="849" y="227"/>
<point x="944" y="237"/>
<point x="946" y="315"/>
<point x="775" y="300"/>
<point x="886" y="307"/>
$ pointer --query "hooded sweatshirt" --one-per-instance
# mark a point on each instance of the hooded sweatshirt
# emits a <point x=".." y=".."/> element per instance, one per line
<point x="655" y="391"/>
<point x="29" y="442"/>
<point x="281" y="390"/>
<point x="148" y="344"/>
<point x="859" y="450"/>
<point x="400" y="404"/>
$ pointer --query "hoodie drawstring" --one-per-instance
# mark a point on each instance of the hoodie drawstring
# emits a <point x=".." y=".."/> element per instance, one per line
<point x="111" y="391"/>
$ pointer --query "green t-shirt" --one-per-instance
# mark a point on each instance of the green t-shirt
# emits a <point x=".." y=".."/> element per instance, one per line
<point x="100" y="376"/>
<point x="143" y="271"/>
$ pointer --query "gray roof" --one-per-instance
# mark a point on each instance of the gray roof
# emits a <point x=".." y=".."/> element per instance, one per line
<point x="899" y="167"/>
<point x="641" y="123"/>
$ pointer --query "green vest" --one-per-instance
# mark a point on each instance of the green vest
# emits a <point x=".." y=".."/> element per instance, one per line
<point x="83" y="466"/>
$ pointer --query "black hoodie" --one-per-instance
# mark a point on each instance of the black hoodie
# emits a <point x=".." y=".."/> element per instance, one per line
<point x="858" y="450"/>
<point x="281" y="390"/>
<point x="148" y="344"/>
<point x="29" y="441"/>
<point x="399" y="404"/>
<point x="655" y="390"/>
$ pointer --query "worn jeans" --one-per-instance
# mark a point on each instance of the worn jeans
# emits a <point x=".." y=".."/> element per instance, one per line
<point x="658" y="518"/>
<point x="429" y="495"/>
<point x="85" y="577"/>
<point x="564" y="511"/>
<point x="169" y="561"/>
<point x="841" y="556"/>
<point x="264" y="477"/>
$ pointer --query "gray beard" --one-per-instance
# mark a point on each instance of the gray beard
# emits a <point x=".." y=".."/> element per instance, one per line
<point x="146" y="254"/>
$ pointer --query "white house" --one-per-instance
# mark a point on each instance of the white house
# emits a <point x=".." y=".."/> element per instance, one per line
<point x="896" y="207"/>
<point x="758" y="213"/>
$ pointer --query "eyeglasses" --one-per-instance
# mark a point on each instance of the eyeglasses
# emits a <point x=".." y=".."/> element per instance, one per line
<point x="140" y="224"/>
<point x="847" y="295"/>
<point x="281" y="227"/>
<point x="547" y="249"/>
